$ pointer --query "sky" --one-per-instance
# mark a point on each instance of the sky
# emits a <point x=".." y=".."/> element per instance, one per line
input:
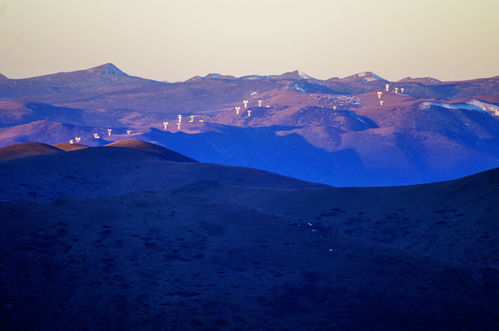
<point x="174" y="40"/>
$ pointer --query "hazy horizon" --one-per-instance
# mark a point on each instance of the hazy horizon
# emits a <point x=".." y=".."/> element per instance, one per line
<point x="175" y="40"/>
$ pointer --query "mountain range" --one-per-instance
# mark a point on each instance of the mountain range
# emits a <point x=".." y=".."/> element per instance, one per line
<point x="338" y="131"/>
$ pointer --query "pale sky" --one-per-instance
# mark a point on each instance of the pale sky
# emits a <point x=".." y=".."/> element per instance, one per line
<point x="177" y="39"/>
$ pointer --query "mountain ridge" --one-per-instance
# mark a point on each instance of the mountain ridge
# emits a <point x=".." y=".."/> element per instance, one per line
<point x="111" y="69"/>
<point x="348" y="130"/>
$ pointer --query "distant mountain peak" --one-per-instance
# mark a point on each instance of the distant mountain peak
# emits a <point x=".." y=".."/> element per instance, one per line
<point x="255" y="77"/>
<point x="297" y="74"/>
<point x="366" y="76"/>
<point x="210" y="76"/>
<point x="424" y="80"/>
<point x="214" y="75"/>
<point x="107" y="69"/>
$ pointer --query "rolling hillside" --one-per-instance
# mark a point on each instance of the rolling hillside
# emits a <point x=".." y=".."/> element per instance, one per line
<point x="124" y="238"/>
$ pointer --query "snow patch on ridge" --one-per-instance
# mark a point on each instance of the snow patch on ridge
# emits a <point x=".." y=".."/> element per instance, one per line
<point x="488" y="107"/>
<point x="254" y="77"/>
<point x="358" y="118"/>
<point x="304" y="75"/>
<point x="472" y="105"/>
<point x="299" y="88"/>
<point x="366" y="77"/>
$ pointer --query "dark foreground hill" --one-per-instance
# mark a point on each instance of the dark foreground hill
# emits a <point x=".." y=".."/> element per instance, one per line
<point x="164" y="245"/>
<point x="119" y="168"/>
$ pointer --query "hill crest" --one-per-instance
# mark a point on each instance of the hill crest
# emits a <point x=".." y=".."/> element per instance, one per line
<point x="27" y="149"/>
